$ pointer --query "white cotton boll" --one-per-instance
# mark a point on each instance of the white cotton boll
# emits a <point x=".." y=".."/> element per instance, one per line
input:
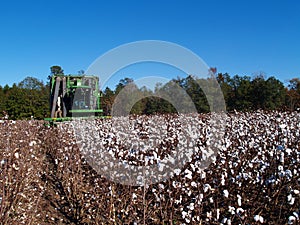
<point x="17" y="155"/>
<point x="178" y="201"/>
<point x="211" y="200"/>
<point x="292" y="201"/>
<point x="15" y="167"/>
<point x="258" y="218"/>
<point x="203" y="175"/>
<point x="223" y="182"/>
<point x="206" y="187"/>
<point x="245" y="176"/>
<point x="239" y="211"/>
<point x="193" y="184"/>
<point x="184" y="213"/>
<point x="232" y="171"/>
<point x="155" y="155"/>
<point x="191" y="206"/>
<point x="161" y="186"/>
<point x="177" y="171"/>
<point x="134" y="196"/>
<point x="288" y="151"/>
<point x="193" y="167"/>
<point x="187" y="220"/>
<point x="295" y="171"/>
<point x="282" y="157"/>
<point x="200" y="198"/>
<point x="229" y="222"/>
<point x="292" y="219"/>
<point x="239" y="200"/>
<point x="209" y="215"/>
<point x="232" y="179"/>
<point x="224" y="220"/>
<point x="174" y="184"/>
<point x="189" y="176"/>
<point x="171" y="160"/>
<point x="218" y="214"/>
<point x="289" y="197"/>
<point x="288" y="173"/>
<point x="225" y="173"/>
<point x="261" y="219"/>
<point x="231" y="209"/>
<point x="296" y="192"/>
<point x="32" y="143"/>
<point x="226" y="193"/>
<point x="282" y="126"/>
<point x="161" y="167"/>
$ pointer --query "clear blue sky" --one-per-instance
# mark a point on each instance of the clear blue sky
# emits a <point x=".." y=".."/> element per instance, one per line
<point x="238" y="37"/>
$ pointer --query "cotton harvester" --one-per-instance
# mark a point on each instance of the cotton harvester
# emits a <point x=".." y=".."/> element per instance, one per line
<point x="74" y="96"/>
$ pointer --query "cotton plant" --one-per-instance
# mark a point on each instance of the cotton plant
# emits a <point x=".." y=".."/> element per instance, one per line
<point x="258" y="158"/>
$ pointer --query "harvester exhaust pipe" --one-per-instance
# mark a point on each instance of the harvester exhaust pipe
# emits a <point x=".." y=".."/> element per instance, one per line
<point x="54" y="101"/>
<point x="64" y="88"/>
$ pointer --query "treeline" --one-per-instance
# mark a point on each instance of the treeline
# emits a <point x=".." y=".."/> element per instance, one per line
<point x="27" y="99"/>
<point x="30" y="97"/>
<point x="241" y="93"/>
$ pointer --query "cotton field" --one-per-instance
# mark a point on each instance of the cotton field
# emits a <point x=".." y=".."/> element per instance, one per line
<point x="238" y="168"/>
